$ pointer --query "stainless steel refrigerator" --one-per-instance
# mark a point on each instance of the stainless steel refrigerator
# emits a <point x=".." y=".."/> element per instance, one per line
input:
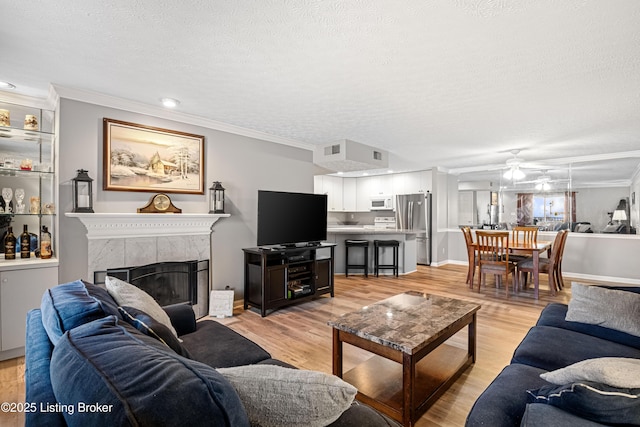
<point x="413" y="212"/>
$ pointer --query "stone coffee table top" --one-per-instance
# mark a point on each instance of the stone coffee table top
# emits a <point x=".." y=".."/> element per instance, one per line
<point x="406" y="322"/>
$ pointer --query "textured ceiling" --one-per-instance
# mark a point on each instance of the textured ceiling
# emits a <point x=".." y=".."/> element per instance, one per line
<point x="448" y="83"/>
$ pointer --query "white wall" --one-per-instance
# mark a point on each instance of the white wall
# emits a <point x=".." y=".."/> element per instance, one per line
<point x="242" y="164"/>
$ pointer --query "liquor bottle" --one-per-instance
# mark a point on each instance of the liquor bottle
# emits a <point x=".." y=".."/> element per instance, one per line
<point x="45" y="243"/>
<point x="10" y="244"/>
<point x="25" y="243"/>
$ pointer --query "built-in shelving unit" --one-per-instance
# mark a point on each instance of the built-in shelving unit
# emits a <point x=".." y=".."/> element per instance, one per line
<point x="27" y="163"/>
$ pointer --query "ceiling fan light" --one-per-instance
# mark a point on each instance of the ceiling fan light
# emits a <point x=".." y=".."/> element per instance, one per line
<point x="514" y="173"/>
<point x="517" y="174"/>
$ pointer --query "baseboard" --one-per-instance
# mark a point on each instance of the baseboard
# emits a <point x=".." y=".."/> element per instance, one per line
<point x="624" y="280"/>
<point x="566" y="274"/>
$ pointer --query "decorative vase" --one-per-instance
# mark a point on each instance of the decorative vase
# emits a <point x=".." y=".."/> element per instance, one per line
<point x="5" y="118"/>
<point x="30" y="122"/>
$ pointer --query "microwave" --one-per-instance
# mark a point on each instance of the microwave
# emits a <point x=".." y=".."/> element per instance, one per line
<point x="381" y="203"/>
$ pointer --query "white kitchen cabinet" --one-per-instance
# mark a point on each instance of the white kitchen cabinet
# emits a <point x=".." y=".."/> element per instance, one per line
<point x="364" y="190"/>
<point x="349" y="194"/>
<point x="418" y="182"/>
<point x="20" y="291"/>
<point x="317" y="184"/>
<point x="332" y="187"/>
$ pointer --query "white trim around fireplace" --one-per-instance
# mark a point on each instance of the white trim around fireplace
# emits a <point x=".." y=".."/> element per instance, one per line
<point x="128" y="225"/>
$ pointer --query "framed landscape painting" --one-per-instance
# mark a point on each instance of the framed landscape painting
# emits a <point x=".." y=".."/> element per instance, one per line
<point x="145" y="158"/>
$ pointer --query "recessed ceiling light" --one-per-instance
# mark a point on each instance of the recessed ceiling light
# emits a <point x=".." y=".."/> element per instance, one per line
<point x="170" y="102"/>
<point x="7" y="85"/>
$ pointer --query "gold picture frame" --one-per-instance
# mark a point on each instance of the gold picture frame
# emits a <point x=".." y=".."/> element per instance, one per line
<point x="146" y="158"/>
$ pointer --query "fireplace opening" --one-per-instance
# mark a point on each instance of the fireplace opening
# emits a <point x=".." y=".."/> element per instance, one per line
<point x="168" y="283"/>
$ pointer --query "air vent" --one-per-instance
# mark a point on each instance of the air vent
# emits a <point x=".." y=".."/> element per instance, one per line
<point x="332" y="149"/>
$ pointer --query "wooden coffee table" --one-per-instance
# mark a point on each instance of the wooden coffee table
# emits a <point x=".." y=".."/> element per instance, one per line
<point x="412" y="366"/>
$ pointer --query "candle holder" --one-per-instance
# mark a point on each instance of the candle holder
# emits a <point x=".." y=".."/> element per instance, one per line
<point x="216" y="198"/>
<point x="82" y="192"/>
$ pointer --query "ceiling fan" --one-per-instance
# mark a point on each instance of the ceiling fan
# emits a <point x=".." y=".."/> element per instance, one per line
<point x="514" y="172"/>
<point x="545" y="181"/>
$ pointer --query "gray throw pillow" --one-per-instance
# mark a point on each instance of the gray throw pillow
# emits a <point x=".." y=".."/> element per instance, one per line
<point x="609" y="308"/>
<point x="620" y="372"/>
<point x="125" y="294"/>
<point x="277" y="396"/>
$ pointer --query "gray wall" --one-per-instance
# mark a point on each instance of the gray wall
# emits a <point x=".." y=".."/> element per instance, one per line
<point x="242" y="164"/>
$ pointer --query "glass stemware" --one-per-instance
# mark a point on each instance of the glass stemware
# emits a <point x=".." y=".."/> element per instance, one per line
<point x="19" y="195"/>
<point x="7" y="194"/>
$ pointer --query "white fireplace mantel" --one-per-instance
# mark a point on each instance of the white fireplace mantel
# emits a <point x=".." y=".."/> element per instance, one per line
<point x="129" y="225"/>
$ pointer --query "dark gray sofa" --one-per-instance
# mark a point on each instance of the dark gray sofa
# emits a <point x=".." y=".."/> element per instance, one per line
<point x="551" y="344"/>
<point x="100" y="358"/>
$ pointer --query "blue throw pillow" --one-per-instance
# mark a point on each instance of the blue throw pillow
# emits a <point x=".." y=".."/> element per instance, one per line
<point x="151" y="327"/>
<point x="72" y="304"/>
<point x="133" y="379"/>
<point x="593" y="401"/>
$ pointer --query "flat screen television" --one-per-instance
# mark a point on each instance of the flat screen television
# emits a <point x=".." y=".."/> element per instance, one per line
<point x="288" y="219"/>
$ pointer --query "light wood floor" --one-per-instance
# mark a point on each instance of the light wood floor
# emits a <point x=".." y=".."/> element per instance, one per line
<point x="299" y="334"/>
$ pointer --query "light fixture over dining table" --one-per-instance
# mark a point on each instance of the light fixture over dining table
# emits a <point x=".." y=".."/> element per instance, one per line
<point x="514" y="172"/>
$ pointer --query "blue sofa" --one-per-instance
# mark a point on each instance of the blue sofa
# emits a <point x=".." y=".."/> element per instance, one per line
<point x="553" y="343"/>
<point x="90" y="362"/>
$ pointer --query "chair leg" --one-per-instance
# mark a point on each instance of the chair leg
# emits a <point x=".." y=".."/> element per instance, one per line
<point x="560" y="279"/>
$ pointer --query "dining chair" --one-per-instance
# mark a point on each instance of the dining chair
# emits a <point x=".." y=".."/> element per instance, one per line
<point x="492" y="252"/>
<point x="471" y="254"/>
<point x="559" y="280"/>
<point x="550" y="266"/>
<point x="522" y="234"/>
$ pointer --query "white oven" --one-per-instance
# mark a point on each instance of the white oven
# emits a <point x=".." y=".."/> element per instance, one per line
<point x="381" y="203"/>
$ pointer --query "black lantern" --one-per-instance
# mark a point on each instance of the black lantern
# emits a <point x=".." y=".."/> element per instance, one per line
<point x="82" y="192"/>
<point x="216" y="198"/>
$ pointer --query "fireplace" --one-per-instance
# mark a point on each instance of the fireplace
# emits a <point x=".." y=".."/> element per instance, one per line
<point x="169" y="283"/>
<point x="127" y="239"/>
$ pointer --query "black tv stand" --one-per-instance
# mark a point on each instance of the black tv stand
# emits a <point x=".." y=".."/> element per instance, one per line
<point x="277" y="277"/>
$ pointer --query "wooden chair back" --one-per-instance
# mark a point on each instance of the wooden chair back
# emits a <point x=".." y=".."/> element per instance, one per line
<point x="557" y="248"/>
<point x="521" y="234"/>
<point x="493" y="247"/>
<point x="468" y="239"/>
<point x="493" y="256"/>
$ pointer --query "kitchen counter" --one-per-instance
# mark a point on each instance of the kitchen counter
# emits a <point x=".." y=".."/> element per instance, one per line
<point x="407" y="254"/>
<point x="351" y="229"/>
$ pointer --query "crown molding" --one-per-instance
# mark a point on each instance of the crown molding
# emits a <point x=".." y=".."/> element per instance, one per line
<point x="29" y="101"/>
<point x="156" y="111"/>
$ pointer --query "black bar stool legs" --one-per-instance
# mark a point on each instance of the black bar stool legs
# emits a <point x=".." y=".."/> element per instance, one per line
<point x="378" y="245"/>
<point x="356" y="244"/>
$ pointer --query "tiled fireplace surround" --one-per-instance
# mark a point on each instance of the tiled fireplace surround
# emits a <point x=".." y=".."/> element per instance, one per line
<point x="125" y="240"/>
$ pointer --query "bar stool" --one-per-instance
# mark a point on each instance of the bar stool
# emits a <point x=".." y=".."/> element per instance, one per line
<point x="380" y="244"/>
<point x="352" y="243"/>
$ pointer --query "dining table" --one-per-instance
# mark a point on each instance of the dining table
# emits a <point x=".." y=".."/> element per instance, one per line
<point x="529" y="248"/>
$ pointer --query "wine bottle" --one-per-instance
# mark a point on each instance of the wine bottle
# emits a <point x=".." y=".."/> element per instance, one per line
<point x="10" y="244"/>
<point x="45" y="243"/>
<point x="25" y="243"/>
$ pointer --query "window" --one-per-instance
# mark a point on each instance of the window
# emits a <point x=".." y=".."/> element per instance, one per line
<point x="547" y="210"/>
